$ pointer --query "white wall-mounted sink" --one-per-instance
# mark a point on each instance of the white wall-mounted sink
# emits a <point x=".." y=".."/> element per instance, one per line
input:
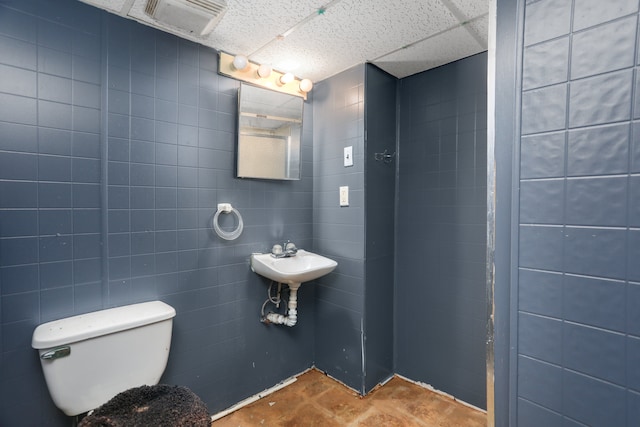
<point x="302" y="267"/>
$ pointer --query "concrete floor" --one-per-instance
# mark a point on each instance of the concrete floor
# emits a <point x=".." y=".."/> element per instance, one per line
<point x="317" y="400"/>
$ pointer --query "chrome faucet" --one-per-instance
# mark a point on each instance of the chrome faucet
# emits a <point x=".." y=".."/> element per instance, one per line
<point x="288" y="249"/>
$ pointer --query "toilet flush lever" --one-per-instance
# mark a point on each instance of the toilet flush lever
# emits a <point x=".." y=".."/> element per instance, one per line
<point x="56" y="353"/>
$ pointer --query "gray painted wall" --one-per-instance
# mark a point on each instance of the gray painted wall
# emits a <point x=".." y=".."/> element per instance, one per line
<point x="578" y="284"/>
<point x="502" y="246"/>
<point x="578" y="300"/>
<point x="354" y="323"/>
<point x="339" y="232"/>
<point x="441" y="229"/>
<point x="380" y="190"/>
<point x="116" y="144"/>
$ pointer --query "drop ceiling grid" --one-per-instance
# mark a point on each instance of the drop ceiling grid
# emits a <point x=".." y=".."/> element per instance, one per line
<point x="353" y="32"/>
<point x="348" y="33"/>
<point x="472" y="8"/>
<point x="246" y="26"/>
<point x="433" y="52"/>
<point x="110" y="5"/>
<point x="481" y="28"/>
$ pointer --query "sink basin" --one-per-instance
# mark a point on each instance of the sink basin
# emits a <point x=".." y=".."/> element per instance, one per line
<point x="302" y="267"/>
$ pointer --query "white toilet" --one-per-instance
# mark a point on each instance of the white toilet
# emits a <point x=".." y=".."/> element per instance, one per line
<point x="88" y="359"/>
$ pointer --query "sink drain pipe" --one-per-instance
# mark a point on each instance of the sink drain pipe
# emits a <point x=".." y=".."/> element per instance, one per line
<point x="292" y="310"/>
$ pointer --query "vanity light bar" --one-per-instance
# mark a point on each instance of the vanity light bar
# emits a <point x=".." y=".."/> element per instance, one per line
<point x="249" y="74"/>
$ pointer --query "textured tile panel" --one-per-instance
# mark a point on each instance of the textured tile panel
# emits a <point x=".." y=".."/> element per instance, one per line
<point x="540" y="337"/>
<point x="601" y="99"/>
<point x="595" y="352"/>
<point x="605" y="48"/>
<point x="543" y="156"/>
<point x="632" y="367"/>
<point x="531" y="415"/>
<point x="595" y="302"/>
<point x="546" y="63"/>
<point x="541" y="292"/>
<point x="546" y="20"/>
<point x="598" y="150"/>
<point x="540" y="382"/>
<point x="544" y="110"/>
<point x="541" y="247"/>
<point x="597" y="201"/>
<point x="593" y="12"/>
<point x="18" y="25"/>
<point x="632" y="255"/>
<point x="592" y="401"/>
<point x="551" y="210"/>
<point x="606" y="249"/>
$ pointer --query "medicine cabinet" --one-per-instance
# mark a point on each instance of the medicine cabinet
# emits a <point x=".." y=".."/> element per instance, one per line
<point x="269" y="134"/>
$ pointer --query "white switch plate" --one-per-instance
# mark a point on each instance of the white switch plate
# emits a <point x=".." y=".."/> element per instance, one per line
<point x="344" y="196"/>
<point x="348" y="156"/>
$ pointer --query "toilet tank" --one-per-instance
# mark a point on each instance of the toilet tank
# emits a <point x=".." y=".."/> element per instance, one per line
<point x="88" y="359"/>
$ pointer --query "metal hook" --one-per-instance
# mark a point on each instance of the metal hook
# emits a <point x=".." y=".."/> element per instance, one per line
<point x="385" y="156"/>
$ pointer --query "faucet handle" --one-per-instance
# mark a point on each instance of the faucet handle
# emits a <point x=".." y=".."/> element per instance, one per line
<point x="290" y="246"/>
<point x="276" y="250"/>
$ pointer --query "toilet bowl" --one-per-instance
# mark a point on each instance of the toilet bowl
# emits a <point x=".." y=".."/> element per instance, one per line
<point x="90" y="358"/>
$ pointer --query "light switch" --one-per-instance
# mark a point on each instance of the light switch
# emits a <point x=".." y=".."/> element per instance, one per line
<point x="344" y="196"/>
<point x="348" y="156"/>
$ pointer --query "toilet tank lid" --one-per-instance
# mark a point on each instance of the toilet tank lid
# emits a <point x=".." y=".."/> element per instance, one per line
<point x="98" y="323"/>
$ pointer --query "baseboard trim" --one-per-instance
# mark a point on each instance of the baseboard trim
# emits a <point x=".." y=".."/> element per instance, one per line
<point x="258" y="396"/>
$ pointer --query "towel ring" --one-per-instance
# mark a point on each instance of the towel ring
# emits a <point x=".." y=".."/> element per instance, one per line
<point x="227" y="235"/>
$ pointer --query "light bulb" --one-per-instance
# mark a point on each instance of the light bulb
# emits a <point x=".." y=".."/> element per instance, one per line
<point x="286" y="78"/>
<point x="264" y="71"/>
<point x="240" y="62"/>
<point x="306" y="85"/>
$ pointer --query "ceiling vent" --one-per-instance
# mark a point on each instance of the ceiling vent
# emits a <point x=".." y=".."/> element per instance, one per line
<point x="198" y="17"/>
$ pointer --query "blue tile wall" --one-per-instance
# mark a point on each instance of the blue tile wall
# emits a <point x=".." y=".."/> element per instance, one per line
<point x="531" y="415"/>
<point x="577" y="306"/>
<point x="339" y="232"/>
<point x="380" y="185"/>
<point x="441" y="229"/>
<point x="611" y="143"/>
<point x="540" y="382"/>
<point x="354" y="347"/>
<point x="540" y="337"/>
<point x="116" y="144"/>
<point x="82" y="231"/>
<point x="546" y="21"/>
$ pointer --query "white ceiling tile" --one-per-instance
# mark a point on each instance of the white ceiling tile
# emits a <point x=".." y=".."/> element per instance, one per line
<point x="439" y="50"/>
<point x="245" y="29"/>
<point x="481" y="27"/>
<point x="110" y="5"/>
<point x="354" y="32"/>
<point x="348" y="33"/>
<point x="472" y="8"/>
<point x="246" y="26"/>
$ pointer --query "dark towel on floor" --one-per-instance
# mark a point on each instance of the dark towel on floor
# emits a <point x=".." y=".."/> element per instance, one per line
<point x="158" y="405"/>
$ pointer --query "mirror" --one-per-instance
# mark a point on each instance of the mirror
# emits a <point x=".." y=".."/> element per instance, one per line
<point x="269" y="134"/>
